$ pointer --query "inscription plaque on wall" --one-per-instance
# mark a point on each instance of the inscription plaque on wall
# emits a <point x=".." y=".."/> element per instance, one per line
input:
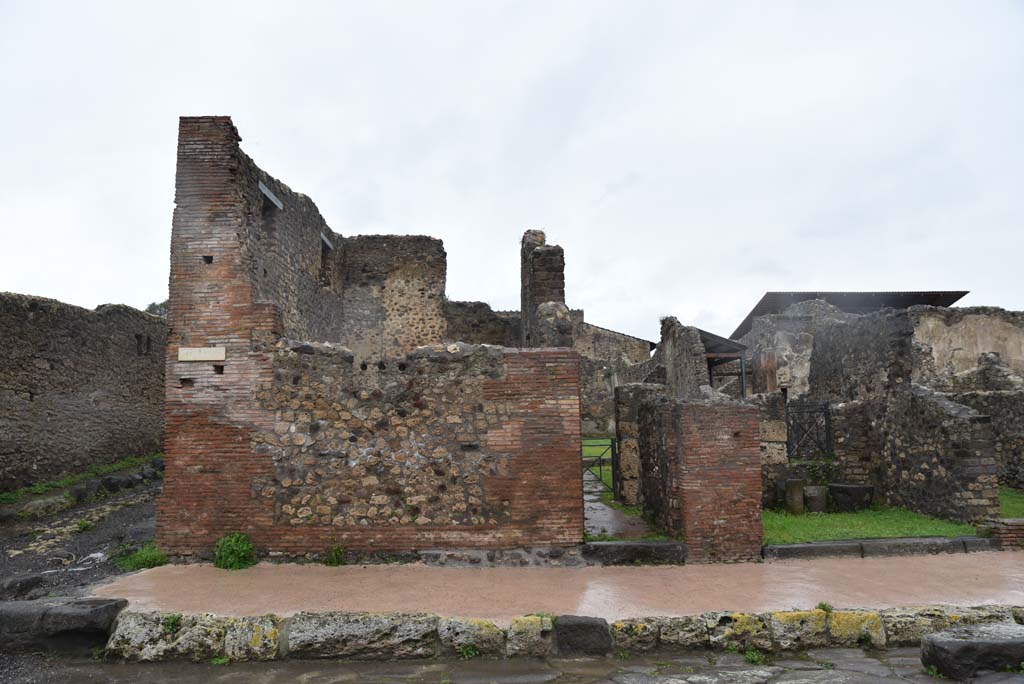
<point x="201" y="353"/>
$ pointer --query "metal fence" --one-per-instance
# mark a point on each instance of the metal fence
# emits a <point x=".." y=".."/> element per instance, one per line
<point x="599" y="454"/>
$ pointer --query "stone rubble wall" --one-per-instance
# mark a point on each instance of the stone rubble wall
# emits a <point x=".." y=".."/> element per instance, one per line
<point x="626" y="466"/>
<point x="1006" y="409"/>
<point x="700" y="472"/>
<point x="77" y="387"/>
<point x="305" y="445"/>
<point x="924" y="451"/>
<point x="154" y="637"/>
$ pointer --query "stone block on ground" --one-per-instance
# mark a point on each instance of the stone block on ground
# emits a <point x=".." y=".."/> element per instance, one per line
<point x="579" y="635"/>
<point x="633" y="552"/>
<point x="57" y="621"/>
<point x="738" y="630"/>
<point x="153" y="637"/>
<point x="849" y="498"/>
<point x="362" y="635"/>
<point x="962" y="652"/>
<point x="799" y="629"/>
<point x="461" y="637"/>
<point x="687" y="632"/>
<point x="252" y="638"/>
<point x="816" y="499"/>
<point x="853" y="628"/>
<point x="530" y="635"/>
<point x="635" y="636"/>
<point x="907" y="626"/>
<point x="18" y="586"/>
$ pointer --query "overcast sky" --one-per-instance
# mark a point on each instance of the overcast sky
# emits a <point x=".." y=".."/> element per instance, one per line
<point x="687" y="156"/>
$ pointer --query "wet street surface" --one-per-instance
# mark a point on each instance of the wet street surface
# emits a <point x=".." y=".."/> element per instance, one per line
<point x="601" y="519"/>
<point x="612" y="593"/>
<point x="822" y="666"/>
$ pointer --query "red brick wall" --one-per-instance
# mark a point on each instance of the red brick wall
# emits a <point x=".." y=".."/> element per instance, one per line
<point x="1009" y="532"/>
<point x="701" y="476"/>
<point x="221" y="475"/>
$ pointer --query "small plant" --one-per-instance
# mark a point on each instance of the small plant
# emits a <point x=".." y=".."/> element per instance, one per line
<point x="622" y="655"/>
<point x="172" y="623"/>
<point x="755" y="657"/>
<point x="828" y="665"/>
<point x="99" y="652"/>
<point x="827" y="607"/>
<point x="234" y="552"/>
<point x="933" y="671"/>
<point x="335" y="556"/>
<point x="146" y="557"/>
<point x="864" y="641"/>
<point x="84" y="525"/>
<point x="468" y="652"/>
<point x="220" y="660"/>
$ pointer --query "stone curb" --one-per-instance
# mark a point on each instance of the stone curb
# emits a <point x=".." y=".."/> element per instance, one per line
<point x="875" y="548"/>
<point x="141" y="636"/>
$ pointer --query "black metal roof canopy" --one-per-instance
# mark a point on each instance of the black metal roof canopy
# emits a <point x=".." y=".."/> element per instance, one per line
<point x="849" y="302"/>
<point x="714" y="344"/>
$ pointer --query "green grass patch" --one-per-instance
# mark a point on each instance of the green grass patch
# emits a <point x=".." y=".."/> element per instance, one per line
<point x="71" y="480"/>
<point x="147" y="557"/>
<point x="782" y="528"/>
<point x="1011" y="502"/>
<point x="608" y="500"/>
<point x="594" y="447"/>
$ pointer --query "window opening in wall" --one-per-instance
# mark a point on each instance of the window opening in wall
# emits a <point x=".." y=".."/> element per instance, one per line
<point x="149" y="344"/>
<point x="207" y="259"/>
<point x="271" y="205"/>
<point x="325" y="261"/>
<point x="140" y="345"/>
<point x="218" y="369"/>
<point x="187" y="382"/>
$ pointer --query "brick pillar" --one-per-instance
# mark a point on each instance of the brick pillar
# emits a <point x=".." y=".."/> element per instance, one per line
<point x="701" y="476"/>
<point x="542" y="279"/>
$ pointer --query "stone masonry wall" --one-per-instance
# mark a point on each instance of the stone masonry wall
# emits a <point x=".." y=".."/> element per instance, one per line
<point x="304" y="445"/>
<point x="701" y="476"/>
<point x="1006" y="409"/>
<point x="771" y="409"/>
<point x="683" y="357"/>
<point x="936" y="456"/>
<point x="77" y="387"/>
<point x="542" y="280"/>
<point x="626" y="465"/>
<point x="477" y="323"/>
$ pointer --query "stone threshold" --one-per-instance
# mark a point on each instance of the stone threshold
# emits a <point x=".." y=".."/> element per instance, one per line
<point x="875" y="548"/>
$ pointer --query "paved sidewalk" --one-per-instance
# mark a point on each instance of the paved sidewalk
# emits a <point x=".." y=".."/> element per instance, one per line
<point x="500" y="594"/>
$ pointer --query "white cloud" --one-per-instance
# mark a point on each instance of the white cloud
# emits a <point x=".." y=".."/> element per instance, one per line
<point x="687" y="156"/>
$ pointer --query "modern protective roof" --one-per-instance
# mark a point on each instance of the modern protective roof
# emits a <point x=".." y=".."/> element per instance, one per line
<point x="849" y="302"/>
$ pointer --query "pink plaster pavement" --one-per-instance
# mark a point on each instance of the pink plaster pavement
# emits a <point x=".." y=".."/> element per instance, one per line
<point x="500" y="594"/>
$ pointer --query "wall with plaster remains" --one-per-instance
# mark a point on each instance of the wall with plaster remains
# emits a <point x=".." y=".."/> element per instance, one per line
<point x="77" y="387"/>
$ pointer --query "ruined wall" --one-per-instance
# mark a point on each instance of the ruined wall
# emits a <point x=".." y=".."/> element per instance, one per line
<point x="1006" y="409"/>
<point x="477" y="323"/>
<point x="936" y="456"/>
<point x="303" y="445"/>
<point x="858" y="442"/>
<point x="681" y="353"/>
<point x="779" y="346"/>
<point x="701" y="476"/>
<point x="771" y="408"/>
<point x="626" y="464"/>
<point x="951" y="341"/>
<point x="77" y="387"/>
<point x="940" y="457"/>
<point x="542" y="279"/>
<point x="379" y="295"/>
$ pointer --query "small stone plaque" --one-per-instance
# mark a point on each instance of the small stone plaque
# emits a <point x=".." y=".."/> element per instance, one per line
<point x="201" y="353"/>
